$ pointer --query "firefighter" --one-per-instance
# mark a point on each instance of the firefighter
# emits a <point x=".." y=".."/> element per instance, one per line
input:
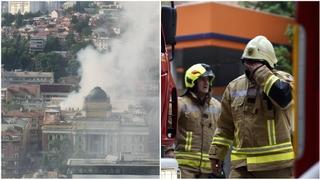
<point x="197" y="116"/>
<point x="256" y="115"/>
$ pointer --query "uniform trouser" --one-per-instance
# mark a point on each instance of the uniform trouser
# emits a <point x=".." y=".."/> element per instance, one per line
<point x="191" y="174"/>
<point x="242" y="172"/>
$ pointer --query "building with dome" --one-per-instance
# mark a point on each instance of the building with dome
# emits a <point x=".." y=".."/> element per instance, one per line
<point x="97" y="132"/>
<point x="97" y="104"/>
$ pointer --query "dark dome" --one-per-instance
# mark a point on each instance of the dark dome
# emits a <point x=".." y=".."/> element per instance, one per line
<point x="97" y="95"/>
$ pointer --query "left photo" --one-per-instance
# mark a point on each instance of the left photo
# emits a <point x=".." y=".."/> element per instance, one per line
<point x="80" y="89"/>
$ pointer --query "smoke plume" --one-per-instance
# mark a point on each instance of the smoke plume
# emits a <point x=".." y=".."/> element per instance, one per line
<point x="132" y="62"/>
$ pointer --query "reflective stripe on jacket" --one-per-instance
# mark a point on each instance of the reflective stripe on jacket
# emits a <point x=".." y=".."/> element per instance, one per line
<point x="196" y="125"/>
<point x="257" y="124"/>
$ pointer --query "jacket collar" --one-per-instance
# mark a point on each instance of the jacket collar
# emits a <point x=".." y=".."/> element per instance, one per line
<point x="196" y="99"/>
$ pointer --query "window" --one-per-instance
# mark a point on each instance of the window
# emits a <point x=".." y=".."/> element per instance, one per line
<point x="3" y="148"/>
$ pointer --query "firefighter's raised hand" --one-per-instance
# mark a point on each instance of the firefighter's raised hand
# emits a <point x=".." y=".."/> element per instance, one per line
<point x="251" y="66"/>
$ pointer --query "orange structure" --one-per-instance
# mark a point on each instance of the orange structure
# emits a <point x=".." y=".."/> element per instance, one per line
<point x="216" y="33"/>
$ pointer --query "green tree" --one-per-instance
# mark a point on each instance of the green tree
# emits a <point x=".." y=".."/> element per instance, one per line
<point x="15" y="53"/>
<point x="52" y="44"/>
<point x="69" y="40"/>
<point x="73" y="66"/>
<point x="82" y="26"/>
<point x="50" y="62"/>
<point x="26" y="61"/>
<point x="284" y="56"/>
<point x="19" y="20"/>
<point x="284" y="8"/>
<point x="28" y="15"/>
<point x="74" y="19"/>
<point x="8" y="58"/>
<point x="7" y="19"/>
<point x="76" y="47"/>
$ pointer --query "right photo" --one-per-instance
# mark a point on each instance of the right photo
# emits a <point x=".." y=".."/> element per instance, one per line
<point x="239" y="90"/>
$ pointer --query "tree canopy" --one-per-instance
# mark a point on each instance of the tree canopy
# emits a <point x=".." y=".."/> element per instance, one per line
<point x="7" y="19"/>
<point x="284" y="8"/>
<point x="52" y="44"/>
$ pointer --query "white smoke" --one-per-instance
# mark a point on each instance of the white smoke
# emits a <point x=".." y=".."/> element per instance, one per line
<point x="134" y="57"/>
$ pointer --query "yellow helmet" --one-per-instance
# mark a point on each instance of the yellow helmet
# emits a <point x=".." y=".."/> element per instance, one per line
<point x="195" y="72"/>
<point x="260" y="49"/>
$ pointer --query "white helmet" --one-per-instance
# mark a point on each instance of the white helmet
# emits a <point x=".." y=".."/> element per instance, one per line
<point x="260" y="48"/>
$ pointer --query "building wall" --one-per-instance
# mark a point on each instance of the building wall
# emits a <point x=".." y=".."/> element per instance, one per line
<point x="99" y="144"/>
<point x="54" y="5"/>
<point x="97" y="109"/>
<point x="4" y="6"/>
<point x="235" y="21"/>
<point x="17" y="77"/>
<point x="16" y="6"/>
<point x="15" y="139"/>
<point x="36" y="6"/>
<point x="37" y="44"/>
<point x="102" y="43"/>
<point x="11" y="156"/>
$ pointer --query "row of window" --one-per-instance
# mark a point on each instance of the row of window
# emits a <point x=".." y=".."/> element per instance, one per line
<point x="95" y="144"/>
<point x="27" y="79"/>
<point x="10" y="156"/>
<point x="55" y="136"/>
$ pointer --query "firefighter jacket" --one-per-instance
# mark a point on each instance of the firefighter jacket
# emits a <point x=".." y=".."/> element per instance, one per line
<point x="256" y="118"/>
<point x="196" y="125"/>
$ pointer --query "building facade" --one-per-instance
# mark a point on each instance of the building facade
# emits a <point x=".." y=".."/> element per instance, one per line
<point x="27" y="6"/>
<point x="102" y="43"/>
<point x="19" y="6"/>
<point x="37" y="43"/>
<point x="15" y="133"/>
<point x="11" y="141"/>
<point x="4" y="6"/>
<point x="100" y="132"/>
<point x="25" y="77"/>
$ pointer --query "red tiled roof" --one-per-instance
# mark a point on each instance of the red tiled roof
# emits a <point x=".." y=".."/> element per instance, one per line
<point x="30" y="89"/>
<point x="23" y="114"/>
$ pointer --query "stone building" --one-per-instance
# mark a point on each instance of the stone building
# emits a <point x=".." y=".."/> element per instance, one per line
<point x="25" y="77"/>
<point x="14" y="142"/>
<point x="99" y="132"/>
<point x="97" y="104"/>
